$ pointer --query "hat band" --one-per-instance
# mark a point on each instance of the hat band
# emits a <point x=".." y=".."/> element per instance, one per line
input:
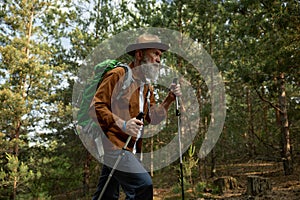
<point x="149" y="45"/>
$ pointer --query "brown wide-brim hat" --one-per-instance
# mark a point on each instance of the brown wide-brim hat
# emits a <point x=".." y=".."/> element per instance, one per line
<point x="146" y="41"/>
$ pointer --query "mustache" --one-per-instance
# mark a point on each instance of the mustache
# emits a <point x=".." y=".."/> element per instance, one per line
<point x="155" y="65"/>
<point x="146" y="61"/>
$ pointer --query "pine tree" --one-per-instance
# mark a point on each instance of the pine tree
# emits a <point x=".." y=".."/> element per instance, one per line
<point x="28" y="83"/>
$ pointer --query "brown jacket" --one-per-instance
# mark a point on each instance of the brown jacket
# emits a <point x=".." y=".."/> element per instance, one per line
<point x="106" y="108"/>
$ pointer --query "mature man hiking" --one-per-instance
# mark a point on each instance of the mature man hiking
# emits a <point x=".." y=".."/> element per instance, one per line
<point x="116" y="112"/>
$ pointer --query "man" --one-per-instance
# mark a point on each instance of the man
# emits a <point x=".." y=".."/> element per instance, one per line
<point x="117" y="118"/>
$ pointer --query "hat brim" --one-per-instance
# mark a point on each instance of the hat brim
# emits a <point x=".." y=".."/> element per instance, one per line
<point x="130" y="49"/>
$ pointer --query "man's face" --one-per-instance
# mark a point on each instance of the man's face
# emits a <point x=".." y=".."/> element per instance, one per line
<point x="152" y="55"/>
<point x="150" y="64"/>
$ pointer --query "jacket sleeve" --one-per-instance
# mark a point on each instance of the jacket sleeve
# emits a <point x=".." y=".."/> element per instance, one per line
<point x="158" y="112"/>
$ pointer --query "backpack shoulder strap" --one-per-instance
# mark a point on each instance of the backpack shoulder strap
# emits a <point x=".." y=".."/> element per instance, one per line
<point x="127" y="80"/>
<point x="128" y="75"/>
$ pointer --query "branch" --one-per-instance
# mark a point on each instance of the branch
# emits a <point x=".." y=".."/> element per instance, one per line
<point x="269" y="102"/>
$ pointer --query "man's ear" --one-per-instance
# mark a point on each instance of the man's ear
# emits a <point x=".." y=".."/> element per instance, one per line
<point x="139" y="55"/>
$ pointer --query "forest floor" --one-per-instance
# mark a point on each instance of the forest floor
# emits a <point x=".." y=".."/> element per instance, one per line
<point x="166" y="186"/>
<point x="283" y="187"/>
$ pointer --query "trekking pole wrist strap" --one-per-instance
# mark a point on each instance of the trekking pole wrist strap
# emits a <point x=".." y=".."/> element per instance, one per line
<point x="124" y="126"/>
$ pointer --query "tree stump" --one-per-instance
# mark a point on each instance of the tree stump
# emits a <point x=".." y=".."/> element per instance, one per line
<point x="257" y="185"/>
<point x="225" y="183"/>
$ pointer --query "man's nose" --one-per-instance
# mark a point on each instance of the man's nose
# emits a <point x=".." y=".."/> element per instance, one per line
<point x="158" y="59"/>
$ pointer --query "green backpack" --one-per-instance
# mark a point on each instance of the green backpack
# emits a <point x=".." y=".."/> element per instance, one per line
<point x="87" y="129"/>
<point x="83" y="118"/>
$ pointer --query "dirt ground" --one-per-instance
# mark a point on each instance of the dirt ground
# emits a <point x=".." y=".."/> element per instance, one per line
<point x="283" y="187"/>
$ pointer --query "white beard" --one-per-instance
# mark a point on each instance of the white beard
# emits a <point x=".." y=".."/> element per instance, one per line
<point x="150" y="71"/>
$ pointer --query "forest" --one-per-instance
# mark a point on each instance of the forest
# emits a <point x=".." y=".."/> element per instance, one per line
<point x="255" y="45"/>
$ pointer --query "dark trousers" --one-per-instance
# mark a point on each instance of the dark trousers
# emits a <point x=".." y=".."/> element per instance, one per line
<point x="130" y="175"/>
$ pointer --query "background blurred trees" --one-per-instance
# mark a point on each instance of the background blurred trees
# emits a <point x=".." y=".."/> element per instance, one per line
<point x="255" y="45"/>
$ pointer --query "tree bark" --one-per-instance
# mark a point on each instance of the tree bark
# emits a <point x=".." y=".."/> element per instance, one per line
<point x="284" y="123"/>
<point x="212" y="86"/>
<point x="225" y="183"/>
<point x="86" y="173"/>
<point x="23" y="90"/>
<point x="250" y="126"/>
<point x="257" y="185"/>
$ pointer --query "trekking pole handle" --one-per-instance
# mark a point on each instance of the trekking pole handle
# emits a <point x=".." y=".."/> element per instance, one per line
<point x="140" y="116"/>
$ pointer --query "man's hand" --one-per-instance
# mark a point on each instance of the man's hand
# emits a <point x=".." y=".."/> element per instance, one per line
<point x="176" y="89"/>
<point x="133" y="126"/>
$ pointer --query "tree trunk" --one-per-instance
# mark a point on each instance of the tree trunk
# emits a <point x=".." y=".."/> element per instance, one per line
<point x="257" y="185"/>
<point x="23" y="90"/>
<point x="15" y="188"/>
<point x="225" y="183"/>
<point x="152" y="154"/>
<point x="86" y="173"/>
<point x="213" y="168"/>
<point x="284" y="123"/>
<point x="250" y="126"/>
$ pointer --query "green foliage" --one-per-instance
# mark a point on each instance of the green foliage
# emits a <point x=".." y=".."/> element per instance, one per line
<point x="15" y="174"/>
<point x="42" y="44"/>
<point x="177" y="187"/>
<point x="201" y="187"/>
<point x="29" y="84"/>
<point x="190" y="162"/>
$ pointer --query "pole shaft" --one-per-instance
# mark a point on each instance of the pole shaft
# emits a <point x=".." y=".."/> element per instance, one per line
<point x="114" y="168"/>
<point x="178" y="114"/>
<point x="182" y="183"/>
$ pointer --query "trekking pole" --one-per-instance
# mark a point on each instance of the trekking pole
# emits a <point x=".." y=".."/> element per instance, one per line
<point x="178" y="114"/>
<point x="139" y="117"/>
